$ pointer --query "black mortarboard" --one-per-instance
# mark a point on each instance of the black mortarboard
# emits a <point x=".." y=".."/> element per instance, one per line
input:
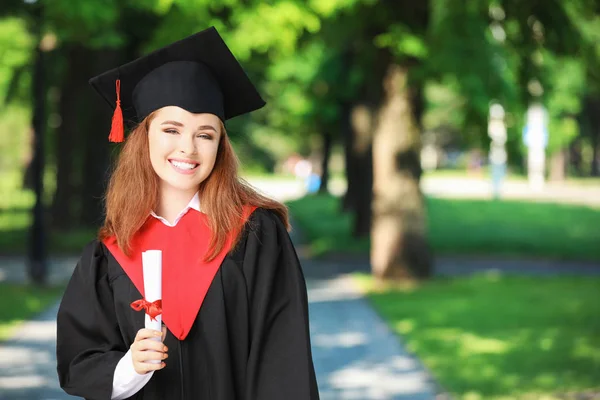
<point x="198" y="73"/>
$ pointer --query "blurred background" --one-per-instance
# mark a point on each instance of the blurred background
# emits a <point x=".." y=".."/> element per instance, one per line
<point x="440" y="159"/>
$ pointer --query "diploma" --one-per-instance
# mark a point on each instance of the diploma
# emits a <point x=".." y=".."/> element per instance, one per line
<point x="152" y="268"/>
<point x="152" y="301"/>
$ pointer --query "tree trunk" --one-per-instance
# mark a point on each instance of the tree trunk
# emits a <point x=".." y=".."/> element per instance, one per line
<point x="349" y="162"/>
<point x="67" y="138"/>
<point x="95" y="145"/>
<point x="595" y="165"/>
<point x="327" y="145"/>
<point x="37" y="263"/>
<point x="558" y="166"/>
<point x="362" y="123"/>
<point x="399" y="248"/>
<point x="592" y="115"/>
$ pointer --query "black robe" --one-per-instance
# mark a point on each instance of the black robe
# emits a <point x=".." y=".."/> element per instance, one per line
<point x="250" y="339"/>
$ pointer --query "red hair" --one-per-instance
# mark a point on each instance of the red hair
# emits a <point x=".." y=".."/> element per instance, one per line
<point x="133" y="192"/>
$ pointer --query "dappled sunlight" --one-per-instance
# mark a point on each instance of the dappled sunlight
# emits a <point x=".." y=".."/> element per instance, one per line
<point x="467" y="343"/>
<point x="32" y="360"/>
<point x="472" y="344"/>
<point x="342" y="339"/>
<point x="405" y="326"/>
<point x="585" y="348"/>
<point x="355" y="354"/>
<point x="379" y="381"/>
<point x="510" y="335"/>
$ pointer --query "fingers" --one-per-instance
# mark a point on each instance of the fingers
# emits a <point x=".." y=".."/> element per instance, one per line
<point x="148" y="360"/>
<point x="164" y="332"/>
<point x="144" y="367"/>
<point x="148" y="355"/>
<point x="147" y="334"/>
<point x="148" y="344"/>
<point x="147" y="352"/>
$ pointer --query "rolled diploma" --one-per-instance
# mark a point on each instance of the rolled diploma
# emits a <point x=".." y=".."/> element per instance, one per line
<point x="152" y="268"/>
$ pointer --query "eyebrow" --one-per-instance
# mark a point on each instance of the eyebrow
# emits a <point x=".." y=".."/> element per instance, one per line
<point x="200" y="128"/>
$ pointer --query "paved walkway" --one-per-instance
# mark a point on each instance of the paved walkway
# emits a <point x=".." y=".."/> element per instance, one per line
<point x="28" y="368"/>
<point x="356" y="356"/>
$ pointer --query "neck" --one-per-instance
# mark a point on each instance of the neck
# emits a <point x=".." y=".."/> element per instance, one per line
<point x="171" y="202"/>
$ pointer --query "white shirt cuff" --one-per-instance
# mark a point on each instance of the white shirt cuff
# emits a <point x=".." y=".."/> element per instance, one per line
<point x="126" y="381"/>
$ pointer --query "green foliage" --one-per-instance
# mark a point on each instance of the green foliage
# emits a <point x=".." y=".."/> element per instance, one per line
<point x="255" y="27"/>
<point x="14" y="124"/>
<point x="403" y="42"/>
<point x="309" y="58"/>
<point x="515" y="337"/>
<point x="16" y="45"/>
<point x="92" y="21"/>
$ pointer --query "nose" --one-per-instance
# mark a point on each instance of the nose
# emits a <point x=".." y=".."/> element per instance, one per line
<point x="187" y="145"/>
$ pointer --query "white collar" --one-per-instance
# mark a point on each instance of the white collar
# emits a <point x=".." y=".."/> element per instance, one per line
<point x="193" y="204"/>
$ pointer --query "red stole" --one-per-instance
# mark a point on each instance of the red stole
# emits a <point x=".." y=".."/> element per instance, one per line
<point x="186" y="277"/>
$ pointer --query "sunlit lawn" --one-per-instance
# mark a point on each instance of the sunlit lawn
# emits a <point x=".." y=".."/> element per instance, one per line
<point x="456" y="226"/>
<point x="19" y="302"/>
<point x="492" y="336"/>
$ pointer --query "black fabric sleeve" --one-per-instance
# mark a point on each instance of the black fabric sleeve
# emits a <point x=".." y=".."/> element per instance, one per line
<point x="89" y="344"/>
<point x="280" y="362"/>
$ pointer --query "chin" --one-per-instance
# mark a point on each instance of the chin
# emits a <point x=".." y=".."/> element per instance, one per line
<point x="185" y="187"/>
<point x="182" y="185"/>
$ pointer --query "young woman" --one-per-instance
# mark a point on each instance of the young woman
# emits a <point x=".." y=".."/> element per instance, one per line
<point x="233" y="295"/>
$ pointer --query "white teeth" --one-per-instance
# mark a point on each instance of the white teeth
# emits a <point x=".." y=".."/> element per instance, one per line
<point x="183" y="165"/>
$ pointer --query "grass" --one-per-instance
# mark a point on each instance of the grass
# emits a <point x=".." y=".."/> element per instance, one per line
<point x="456" y="226"/>
<point x="499" y="337"/>
<point x="20" y="302"/>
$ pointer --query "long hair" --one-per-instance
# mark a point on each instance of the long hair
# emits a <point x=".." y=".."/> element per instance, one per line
<point x="133" y="192"/>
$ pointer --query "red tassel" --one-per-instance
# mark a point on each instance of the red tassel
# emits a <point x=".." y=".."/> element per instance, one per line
<point x="116" y="129"/>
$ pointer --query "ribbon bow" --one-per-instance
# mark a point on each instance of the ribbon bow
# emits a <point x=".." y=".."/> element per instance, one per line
<point x="153" y="309"/>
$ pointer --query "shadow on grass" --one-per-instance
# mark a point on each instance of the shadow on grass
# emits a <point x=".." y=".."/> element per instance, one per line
<point x="490" y="336"/>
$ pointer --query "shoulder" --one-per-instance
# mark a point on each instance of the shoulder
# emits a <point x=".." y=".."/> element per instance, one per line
<point x="263" y="220"/>
<point x="92" y="261"/>
<point x="93" y="248"/>
<point x="262" y="227"/>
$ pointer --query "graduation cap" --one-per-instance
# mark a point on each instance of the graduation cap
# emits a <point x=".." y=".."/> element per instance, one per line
<point x="198" y="73"/>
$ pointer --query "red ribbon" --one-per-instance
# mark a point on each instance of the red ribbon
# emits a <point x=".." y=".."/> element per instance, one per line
<point x="153" y="309"/>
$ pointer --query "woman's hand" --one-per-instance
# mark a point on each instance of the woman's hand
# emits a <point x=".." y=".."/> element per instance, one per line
<point x="145" y="348"/>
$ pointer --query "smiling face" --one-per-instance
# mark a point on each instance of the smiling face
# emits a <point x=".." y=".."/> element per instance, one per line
<point x="183" y="148"/>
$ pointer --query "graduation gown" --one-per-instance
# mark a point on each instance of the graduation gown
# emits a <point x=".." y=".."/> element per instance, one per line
<point x="249" y="340"/>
